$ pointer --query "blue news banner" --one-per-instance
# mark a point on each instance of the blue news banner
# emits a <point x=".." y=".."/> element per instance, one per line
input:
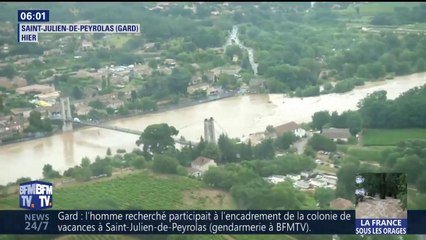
<point x="176" y="222"/>
<point x="204" y="222"/>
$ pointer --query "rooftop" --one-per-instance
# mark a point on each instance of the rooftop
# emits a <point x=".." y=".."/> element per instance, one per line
<point x="35" y="88"/>
<point x="286" y="127"/>
<point x="201" y="161"/>
<point x="336" y="133"/>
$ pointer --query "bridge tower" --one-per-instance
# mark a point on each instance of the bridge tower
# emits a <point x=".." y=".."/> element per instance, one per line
<point x="66" y="114"/>
<point x="209" y="133"/>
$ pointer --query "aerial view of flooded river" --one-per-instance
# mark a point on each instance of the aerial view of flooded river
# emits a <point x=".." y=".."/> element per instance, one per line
<point x="236" y="116"/>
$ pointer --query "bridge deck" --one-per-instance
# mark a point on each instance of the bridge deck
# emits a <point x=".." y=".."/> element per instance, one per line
<point x="126" y="130"/>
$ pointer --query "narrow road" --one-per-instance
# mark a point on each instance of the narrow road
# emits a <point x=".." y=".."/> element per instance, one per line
<point x="300" y="145"/>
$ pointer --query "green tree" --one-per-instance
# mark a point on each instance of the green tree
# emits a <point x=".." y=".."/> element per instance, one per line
<point x="319" y="142"/>
<point x="285" y="140"/>
<point x="218" y="177"/>
<point x="420" y="65"/>
<point x="353" y="122"/>
<point x="48" y="172"/>
<point x="232" y="50"/>
<point x="319" y="119"/>
<point x="108" y="152"/>
<point x="284" y="196"/>
<point x="153" y="64"/>
<point x="101" y="166"/>
<point x="227" y="147"/>
<point x="35" y="119"/>
<point x="77" y="93"/>
<point x="36" y="124"/>
<point x="372" y="108"/>
<point x="82" y="174"/>
<point x="9" y="71"/>
<point x="148" y="104"/>
<point x="211" y="151"/>
<point x="104" y="84"/>
<point x="165" y="164"/>
<point x="265" y="149"/>
<point x="178" y="80"/>
<point x="97" y="104"/>
<point x="157" y="138"/>
<point x="309" y="151"/>
<point x="421" y="183"/>
<point x="345" y="186"/>
<point x="138" y="162"/>
<point x="245" y="151"/>
<point x="22" y="180"/>
<point x="1" y="104"/>
<point x="85" y="162"/>
<point x="324" y="196"/>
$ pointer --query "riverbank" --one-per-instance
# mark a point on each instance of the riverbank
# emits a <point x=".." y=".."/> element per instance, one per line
<point x="160" y="109"/>
<point x="235" y="116"/>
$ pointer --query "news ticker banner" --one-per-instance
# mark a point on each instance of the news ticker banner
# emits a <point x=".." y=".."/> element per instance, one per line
<point x="204" y="222"/>
<point x="31" y="23"/>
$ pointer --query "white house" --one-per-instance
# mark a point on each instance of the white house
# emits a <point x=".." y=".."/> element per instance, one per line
<point x="275" y="179"/>
<point x="301" y="184"/>
<point x="200" y="165"/>
<point x="330" y="179"/>
<point x="290" y="127"/>
<point x="316" y="183"/>
<point x="293" y="177"/>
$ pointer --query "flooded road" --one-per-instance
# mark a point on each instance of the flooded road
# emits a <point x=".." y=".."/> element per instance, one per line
<point x="233" y="38"/>
<point x="235" y="116"/>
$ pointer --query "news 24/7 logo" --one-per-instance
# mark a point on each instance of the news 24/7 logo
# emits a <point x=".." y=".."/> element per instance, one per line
<point x="35" y="195"/>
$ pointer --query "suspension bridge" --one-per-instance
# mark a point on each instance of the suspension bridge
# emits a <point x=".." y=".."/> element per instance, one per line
<point x="209" y="125"/>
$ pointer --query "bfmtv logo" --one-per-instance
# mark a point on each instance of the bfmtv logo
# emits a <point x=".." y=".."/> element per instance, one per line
<point x="35" y="195"/>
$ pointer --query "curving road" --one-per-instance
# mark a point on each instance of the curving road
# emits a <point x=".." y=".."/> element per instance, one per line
<point x="233" y="38"/>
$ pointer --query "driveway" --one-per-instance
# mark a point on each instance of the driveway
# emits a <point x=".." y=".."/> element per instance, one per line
<point x="300" y="145"/>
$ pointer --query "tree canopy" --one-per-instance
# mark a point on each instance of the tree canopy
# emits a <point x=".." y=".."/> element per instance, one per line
<point x="157" y="138"/>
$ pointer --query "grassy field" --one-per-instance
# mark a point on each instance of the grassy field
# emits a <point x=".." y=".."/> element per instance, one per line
<point x="117" y="40"/>
<point x="368" y="154"/>
<point x="390" y="137"/>
<point x="141" y="190"/>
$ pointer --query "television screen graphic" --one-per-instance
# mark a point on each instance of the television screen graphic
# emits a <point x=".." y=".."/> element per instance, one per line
<point x="381" y="203"/>
<point x="213" y="120"/>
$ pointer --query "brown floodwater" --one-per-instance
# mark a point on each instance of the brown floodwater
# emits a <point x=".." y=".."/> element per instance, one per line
<point x="237" y="117"/>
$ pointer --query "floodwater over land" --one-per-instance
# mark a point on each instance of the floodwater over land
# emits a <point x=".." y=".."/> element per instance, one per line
<point x="236" y="116"/>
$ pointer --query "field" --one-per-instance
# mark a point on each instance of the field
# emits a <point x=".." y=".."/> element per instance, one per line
<point x="367" y="154"/>
<point x="141" y="190"/>
<point x="117" y="40"/>
<point x="374" y="8"/>
<point x="390" y="137"/>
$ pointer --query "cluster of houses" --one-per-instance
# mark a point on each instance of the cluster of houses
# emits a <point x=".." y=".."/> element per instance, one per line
<point x="336" y="134"/>
<point x="46" y="101"/>
<point x="302" y="181"/>
<point x="306" y="180"/>
<point x="274" y="132"/>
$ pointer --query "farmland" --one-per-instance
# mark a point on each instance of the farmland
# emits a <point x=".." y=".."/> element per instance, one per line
<point x="140" y="190"/>
<point x="390" y="137"/>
